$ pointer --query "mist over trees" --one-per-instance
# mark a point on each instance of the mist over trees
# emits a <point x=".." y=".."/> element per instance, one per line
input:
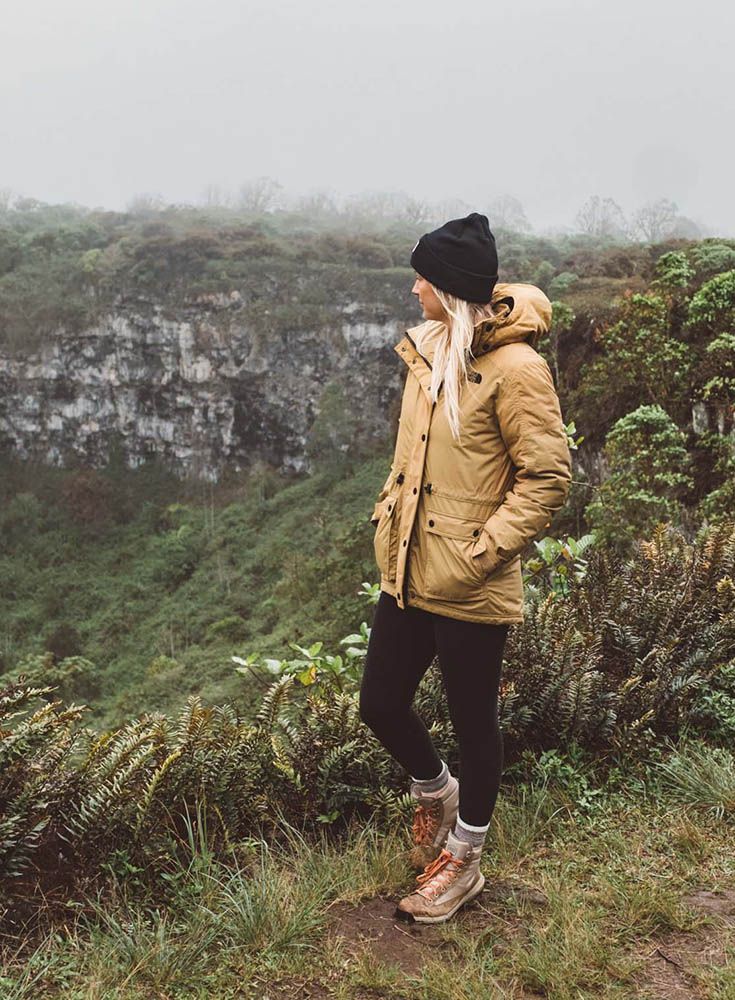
<point x="600" y="217"/>
<point x="652" y="222"/>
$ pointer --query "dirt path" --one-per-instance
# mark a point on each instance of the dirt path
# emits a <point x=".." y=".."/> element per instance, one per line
<point x="672" y="960"/>
<point x="669" y="962"/>
<point x="372" y="925"/>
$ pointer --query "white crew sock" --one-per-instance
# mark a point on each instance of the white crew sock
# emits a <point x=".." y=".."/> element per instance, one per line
<point x="432" y="784"/>
<point x="474" y="835"/>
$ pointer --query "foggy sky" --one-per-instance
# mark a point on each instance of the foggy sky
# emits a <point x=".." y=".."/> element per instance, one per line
<point x="548" y="101"/>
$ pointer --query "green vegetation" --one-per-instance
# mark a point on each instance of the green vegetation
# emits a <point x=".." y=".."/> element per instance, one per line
<point x="219" y="815"/>
<point x="627" y="659"/>
<point x="63" y="266"/>
<point x="647" y="473"/>
<point x="588" y="882"/>
<point x="158" y="582"/>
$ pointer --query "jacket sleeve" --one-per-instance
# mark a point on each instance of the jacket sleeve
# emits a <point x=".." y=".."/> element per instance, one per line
<point x="530" y="422"/>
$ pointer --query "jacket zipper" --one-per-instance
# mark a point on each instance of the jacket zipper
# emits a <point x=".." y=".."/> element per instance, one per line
<point x="413" y="344"/>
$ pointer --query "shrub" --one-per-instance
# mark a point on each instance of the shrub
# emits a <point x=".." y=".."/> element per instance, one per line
<point x="89" y="499"/>
<point x="643" y="361"/>
<point x="561" y="283"/>
<point x="64" y="641"/>
<point x="233" y="627"/>
<point x="673" y="270"/>
<point x="21" y="518"/>
<point x="712" y="308"/>
<point x="616" y="664"/>
<point x="162" y="665"/>
<point x="710" y="258"/>
<point x="177" y="554"/>
<point x="648" y="464"/>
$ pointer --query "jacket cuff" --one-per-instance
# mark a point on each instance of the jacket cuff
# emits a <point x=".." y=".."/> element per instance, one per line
<point x="486" y="553"/>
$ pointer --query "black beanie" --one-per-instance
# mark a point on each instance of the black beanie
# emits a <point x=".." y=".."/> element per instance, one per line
<point x="460" y="258"/>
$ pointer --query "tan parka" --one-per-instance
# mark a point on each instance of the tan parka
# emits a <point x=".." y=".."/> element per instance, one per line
<point x="454" y="516"/>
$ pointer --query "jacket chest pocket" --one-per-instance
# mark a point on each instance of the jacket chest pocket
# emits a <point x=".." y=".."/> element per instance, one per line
<point x="385" y="540"/>
<point x="451" y="573"/>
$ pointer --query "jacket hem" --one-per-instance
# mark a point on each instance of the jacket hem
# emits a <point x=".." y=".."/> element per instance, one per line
<point x="438" y="609"/>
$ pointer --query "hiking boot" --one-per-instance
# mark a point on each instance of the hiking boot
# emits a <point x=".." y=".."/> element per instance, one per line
<point x="448" y="882"/>
<point x="433" y="818"/>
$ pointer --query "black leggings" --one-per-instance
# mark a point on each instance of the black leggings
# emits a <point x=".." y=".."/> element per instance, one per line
<point x="401" y="648"/>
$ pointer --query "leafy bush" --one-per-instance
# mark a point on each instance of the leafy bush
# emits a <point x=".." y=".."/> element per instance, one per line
<point x="713" y="708"/>
<point x="561" y="283"/>
<point x="232" y="627"/>
<point x="160" y="666"/>
<point x="673" y="270"/>
<point x="616" y="664"/>
<point x="555" y="563"/>
<point x="648" y="474"/>
<point x="710" y="258"/>
<point x="713" y="306"/>
<point x="621" y="660"/>
<point x="643" y="361"/>
<point x="178" y="553"/>
<point x="63" y="641"/>
<point x="21" y="517"/>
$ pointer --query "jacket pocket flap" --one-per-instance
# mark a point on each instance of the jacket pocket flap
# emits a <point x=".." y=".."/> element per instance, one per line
<point x="385" y="506"/>
<point x="452" y="527"/>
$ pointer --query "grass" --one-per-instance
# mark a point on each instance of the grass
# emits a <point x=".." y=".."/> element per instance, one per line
<point x="575" y="910"/>
<point x="702" y="776"/>
<point x="187" y="577"/>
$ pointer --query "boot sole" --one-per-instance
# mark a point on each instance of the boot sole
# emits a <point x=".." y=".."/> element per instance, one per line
<point x="411" y="919"/>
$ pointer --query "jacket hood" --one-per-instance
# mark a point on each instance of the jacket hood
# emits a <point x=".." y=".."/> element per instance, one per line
<point x="523" y="312"/>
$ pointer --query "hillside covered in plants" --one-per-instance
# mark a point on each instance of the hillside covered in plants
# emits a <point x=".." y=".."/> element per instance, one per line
<point x="149" y="583"/>
<point x="190" y="804"/>
<point x="217" y="340"/>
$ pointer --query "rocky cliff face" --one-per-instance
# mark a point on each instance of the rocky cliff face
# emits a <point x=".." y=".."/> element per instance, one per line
<point x="202" y="389"/>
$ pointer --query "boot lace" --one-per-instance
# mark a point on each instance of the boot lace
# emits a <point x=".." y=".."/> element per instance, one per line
<point x="439" y="873"/>
<point x="425" y="822"/>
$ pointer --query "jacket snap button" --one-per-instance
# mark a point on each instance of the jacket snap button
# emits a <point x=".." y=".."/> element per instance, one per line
<point x="415" y="490"/>
<point x="431" y="524"/>
<point x="423" y="437"/>
<point x="475" y="532"/>
<point x="405" y="541"/>
<point x="389" y="506"/>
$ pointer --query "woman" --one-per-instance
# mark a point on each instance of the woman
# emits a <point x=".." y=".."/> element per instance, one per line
<point x="481" y="464"/>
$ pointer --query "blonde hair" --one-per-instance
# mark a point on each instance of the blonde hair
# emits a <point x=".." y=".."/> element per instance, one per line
<point x="452" y="350"/>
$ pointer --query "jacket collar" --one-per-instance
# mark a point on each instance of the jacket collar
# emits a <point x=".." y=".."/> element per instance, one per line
<point x="417" y="363"/>
<point x="522" y="312"/>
